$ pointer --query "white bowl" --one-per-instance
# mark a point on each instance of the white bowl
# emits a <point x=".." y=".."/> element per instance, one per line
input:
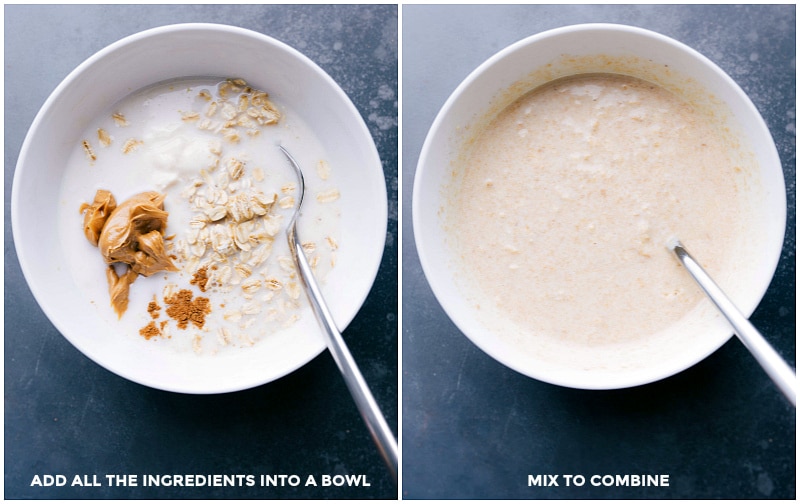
<point x="178" y="51"/>
<point x="532" y="62"/>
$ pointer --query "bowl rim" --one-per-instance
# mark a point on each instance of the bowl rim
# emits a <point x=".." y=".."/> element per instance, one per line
<point x="39" y="291"/>
<point x="431" y="267"/>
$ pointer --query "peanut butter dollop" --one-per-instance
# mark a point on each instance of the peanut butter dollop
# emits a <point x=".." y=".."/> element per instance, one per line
<point x="132" y="235"/>
<point x="95" y="215"/>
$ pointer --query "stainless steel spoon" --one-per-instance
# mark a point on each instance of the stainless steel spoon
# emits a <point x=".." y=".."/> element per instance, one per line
<point x="370" y="412"/>
<point x="778" y="370"/>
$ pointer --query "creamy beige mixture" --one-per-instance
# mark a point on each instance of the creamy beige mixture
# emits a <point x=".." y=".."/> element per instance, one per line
<point x="569" y="196"/>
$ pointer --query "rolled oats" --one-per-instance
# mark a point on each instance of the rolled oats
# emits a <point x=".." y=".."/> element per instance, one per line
<point x="230" y="135"/>
<point x="220" y="238"/>
<point x="235" y="168"/>
<point x="286" y="264"/>
<point x="89" y="151"/>
<point x="198" y="249"/>
<point x="216" y="213"/>
<point x="323" y="169"/>
<point x="119" y="119"/>
<point x="251" y="308"/>
<point x="251" y="286"/>
<point x="228" y="111"/>
<point x="328" y="196"/>
<point x="103" y="137"/>
<point x="234" y="222"/>
<point x="273" y="284"/>
<point x="131" y="145"/>
<point x="244" y="103"/>
<point x="286" y="202"/>
<point x="293" y="289"/>
<point x="199" y="221"/>
<point x="190" y="116"/>
<point x="243" y="270"/>
<point x="224" y="336"/>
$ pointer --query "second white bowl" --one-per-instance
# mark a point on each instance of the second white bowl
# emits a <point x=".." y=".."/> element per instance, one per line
<point x="542" y="58"/>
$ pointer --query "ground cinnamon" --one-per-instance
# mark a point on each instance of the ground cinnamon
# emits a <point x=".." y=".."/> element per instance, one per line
<point x="150" y="330"/>
<point x="153" y="308"/>
<point x="200" y="278"/>
<point x="184" y="309"/>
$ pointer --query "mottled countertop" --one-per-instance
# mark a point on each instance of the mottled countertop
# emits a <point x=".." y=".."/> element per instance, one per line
<point x="66" y="415"/>
<point x="475" y="429"/>
<point x="472" y="429"/>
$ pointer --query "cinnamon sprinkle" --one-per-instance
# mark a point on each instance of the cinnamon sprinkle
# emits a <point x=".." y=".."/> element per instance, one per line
<point x="184" y="309"/>
<point x="200" y="278"/>
<point x="150" y="330"/>
<point x="153" y="308"/>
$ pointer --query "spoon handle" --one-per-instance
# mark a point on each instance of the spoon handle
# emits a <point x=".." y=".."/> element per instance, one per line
<point x="777" y="369"/>
<point x="369" y="409"/>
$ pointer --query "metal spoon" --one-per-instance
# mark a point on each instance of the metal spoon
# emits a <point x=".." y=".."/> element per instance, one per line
<point x="370" y="412"/>
<point x="777" y="369"/>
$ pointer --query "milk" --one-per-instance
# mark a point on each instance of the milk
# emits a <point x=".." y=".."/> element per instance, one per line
<point x="166" y="152"/>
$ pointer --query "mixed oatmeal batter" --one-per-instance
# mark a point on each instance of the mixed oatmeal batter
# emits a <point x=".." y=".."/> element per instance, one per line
<point x="566" y="201"/>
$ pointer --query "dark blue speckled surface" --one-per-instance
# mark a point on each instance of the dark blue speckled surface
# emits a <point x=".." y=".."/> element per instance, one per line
<point x="472" y="429"/>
